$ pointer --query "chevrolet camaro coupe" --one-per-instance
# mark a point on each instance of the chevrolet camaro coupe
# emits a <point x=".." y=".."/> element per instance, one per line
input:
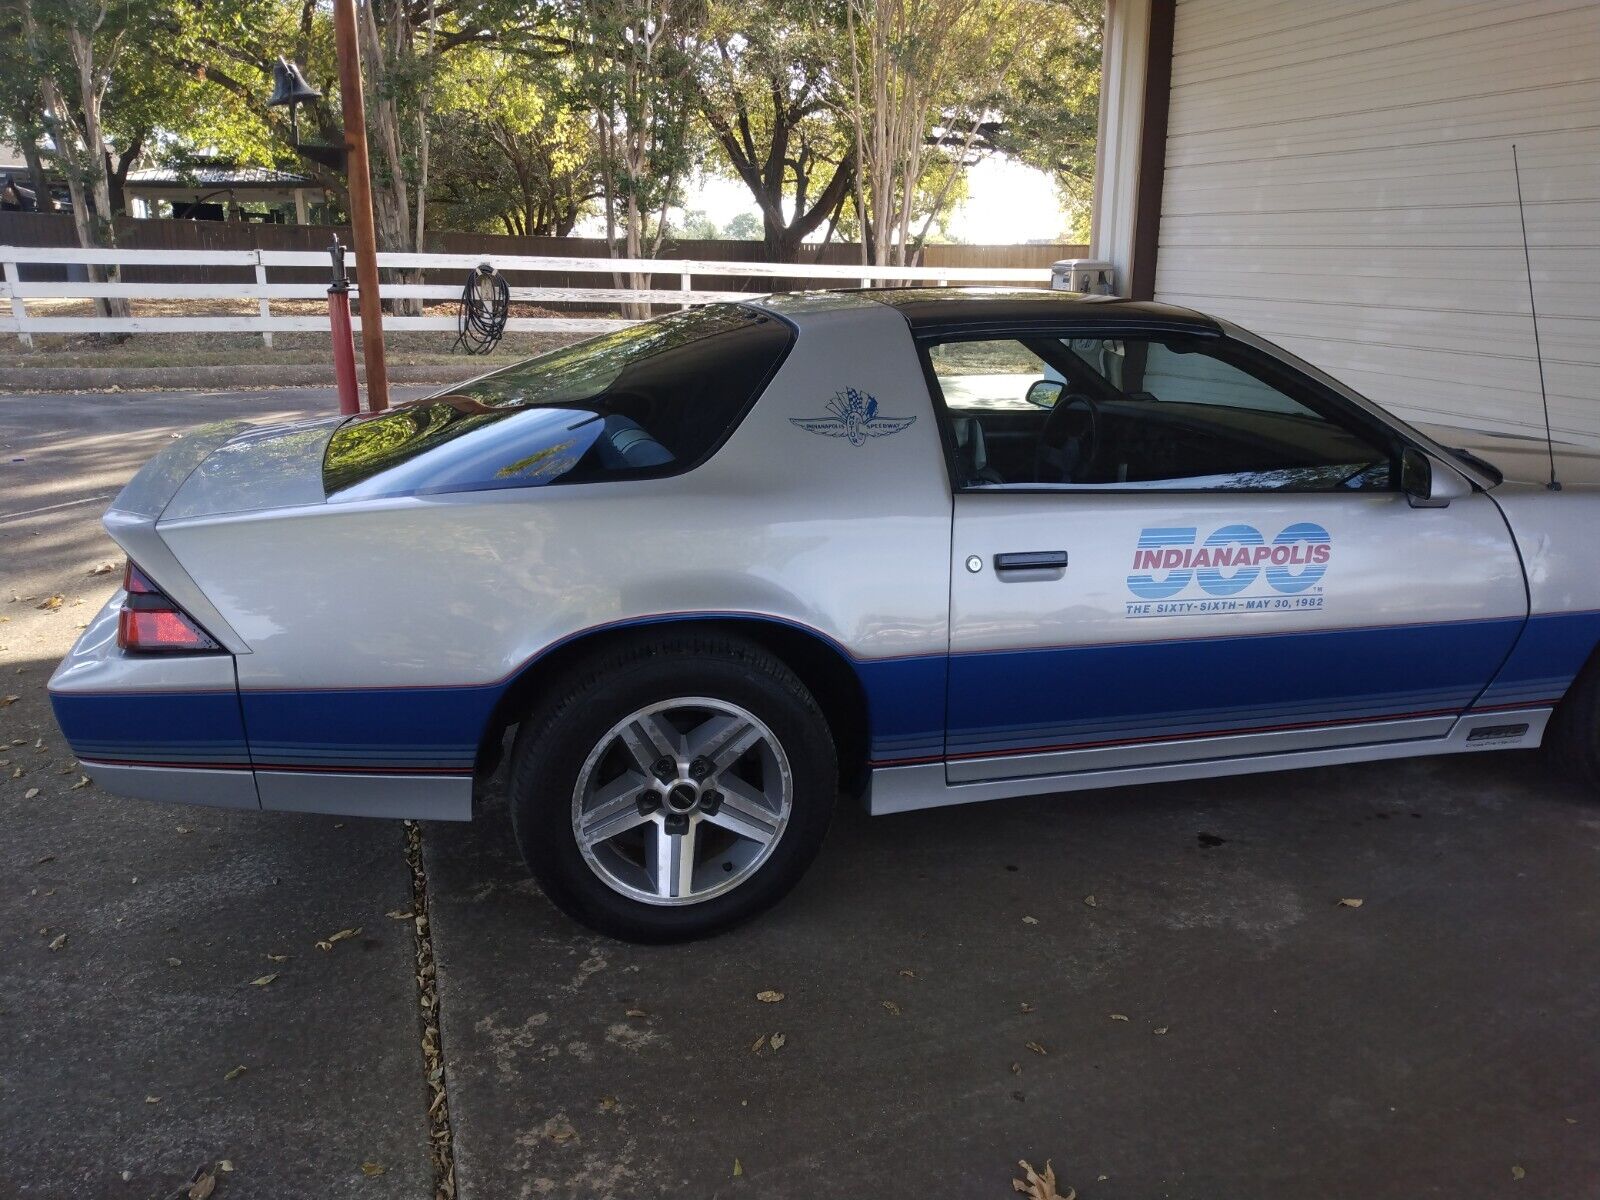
<point x="699" y="576"/>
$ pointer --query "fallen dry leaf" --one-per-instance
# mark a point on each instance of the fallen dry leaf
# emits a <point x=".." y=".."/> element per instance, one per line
<point x="30" y="793"/>
<point x="1091" y="901"/>
<point x="152" y="1099"/>
<point x="1025" y="1007"/>
<point x="58" y="941"/>
<point x="51" y="603"/>
<point x="1030" y="920"/>
<point x="174" y="962"/>
<point x="1119" y="1016"/>
<point x="234" y="1074"/>
<point x="909" y="974"/>
<point x="400" y="914"/>
<point x="277" y="958"/>
<point x="890" y="1007"/>
<point x="226" y="1166"/>
<point x="1016" y="1068"/>
<point x="759" y="1043"/>
<point x="769" y="996"/>
<point x="48" y="858"/>
<point x="8" y="701"/>
<point x="635" y="1012"/>
<point x="738" y="1168"/>
<point x="329" y="942"/>
<point x="778" y="1041"/>
<point x="1036" y="1047"/>
<point x="1039" y="1186"/>
<point x="370" y="1169"/>
<point x="608" y="1103"/>
<point x="263" y="981"/>
<point x="102" y="569"/>
<point x="1517" y="1173"/>
<point x="83" y="782"/>
<point x="204" y="1184"/>
<point x="1348" y="902"/>
<point x="1159" y="1030"/>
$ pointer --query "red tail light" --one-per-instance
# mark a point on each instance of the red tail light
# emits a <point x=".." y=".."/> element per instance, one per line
<point x="149" y="621"/>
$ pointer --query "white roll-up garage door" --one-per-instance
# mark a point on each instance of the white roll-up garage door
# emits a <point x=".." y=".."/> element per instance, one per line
<point x="1339" y="179"/>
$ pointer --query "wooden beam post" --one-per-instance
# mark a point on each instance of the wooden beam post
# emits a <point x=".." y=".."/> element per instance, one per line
<point x="358" y="173"/>
<point x="19" y="309"/>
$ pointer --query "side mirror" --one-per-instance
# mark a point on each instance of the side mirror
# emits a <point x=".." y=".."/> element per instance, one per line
<point x="1043" y="393"/>
<point x="1427" y="482"/>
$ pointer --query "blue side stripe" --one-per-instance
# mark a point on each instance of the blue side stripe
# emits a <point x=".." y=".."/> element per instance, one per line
<point x="1547" y="657"/>
<point x="998" y="700"/>
<point x="1294" y="678"/>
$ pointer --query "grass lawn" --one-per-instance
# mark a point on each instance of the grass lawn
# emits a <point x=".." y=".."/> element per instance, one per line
<point x="410" y="347"/>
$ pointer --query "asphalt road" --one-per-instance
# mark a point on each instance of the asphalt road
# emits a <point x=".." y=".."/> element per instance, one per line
<point x="955" y="982"/>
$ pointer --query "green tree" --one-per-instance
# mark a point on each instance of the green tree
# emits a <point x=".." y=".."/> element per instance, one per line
<point x="73" y="49"/>
<point x="695" y="224"/>
<point x="931" y="92"/>
<point x="769" y="90"/>
<point x="744" y="227"/>
<point x="634" y="66"/>
<point x="512" y="149"/>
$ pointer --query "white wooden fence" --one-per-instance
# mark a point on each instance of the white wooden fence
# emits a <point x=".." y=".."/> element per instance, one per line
<point x="24" y="324"/>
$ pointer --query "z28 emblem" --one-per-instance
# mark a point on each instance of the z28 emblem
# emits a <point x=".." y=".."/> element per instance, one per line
<point x="853" y="415"/>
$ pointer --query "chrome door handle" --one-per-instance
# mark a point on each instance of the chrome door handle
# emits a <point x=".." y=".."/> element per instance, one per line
<point x="1032" y="560"/>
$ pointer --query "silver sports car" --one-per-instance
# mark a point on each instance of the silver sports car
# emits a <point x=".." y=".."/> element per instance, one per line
<point x="925" y="546"/>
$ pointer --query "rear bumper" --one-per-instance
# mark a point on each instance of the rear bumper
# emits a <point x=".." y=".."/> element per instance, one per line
<point x="171" y="728"/>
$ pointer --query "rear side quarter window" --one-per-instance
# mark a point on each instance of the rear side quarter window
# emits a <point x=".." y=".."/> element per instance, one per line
<point x="650" y="400"/>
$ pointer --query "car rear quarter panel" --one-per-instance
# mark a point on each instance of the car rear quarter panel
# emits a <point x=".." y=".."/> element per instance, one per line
<point x="395" y="621"/>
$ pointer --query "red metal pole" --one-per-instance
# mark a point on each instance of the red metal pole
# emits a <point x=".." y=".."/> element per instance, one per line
<point x="344" y="350"/>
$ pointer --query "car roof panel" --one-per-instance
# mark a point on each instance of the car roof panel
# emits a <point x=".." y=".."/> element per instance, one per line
<point x="957" y="310"/>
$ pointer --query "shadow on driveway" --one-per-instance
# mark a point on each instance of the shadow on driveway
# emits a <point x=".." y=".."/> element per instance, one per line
<point x="1275" y="1043"/>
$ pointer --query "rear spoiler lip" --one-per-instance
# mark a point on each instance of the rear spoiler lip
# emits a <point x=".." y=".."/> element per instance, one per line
<point x="136" y="533"/>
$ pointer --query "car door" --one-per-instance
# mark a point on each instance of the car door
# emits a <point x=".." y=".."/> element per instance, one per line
<point x="1188" y="550"/>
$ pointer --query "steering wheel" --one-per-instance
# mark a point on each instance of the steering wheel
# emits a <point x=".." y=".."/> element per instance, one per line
<point x="1069" y="443"/>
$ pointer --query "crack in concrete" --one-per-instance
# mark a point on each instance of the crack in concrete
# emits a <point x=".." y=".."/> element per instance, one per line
<point x="441" y="1144"/>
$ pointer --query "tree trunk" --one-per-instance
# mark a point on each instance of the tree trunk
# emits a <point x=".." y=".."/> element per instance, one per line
<point x="43" y="200"/>
<point x="102" y="230"/>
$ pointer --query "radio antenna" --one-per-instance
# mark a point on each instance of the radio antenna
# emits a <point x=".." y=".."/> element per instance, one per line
<point x="1538" y="352"/>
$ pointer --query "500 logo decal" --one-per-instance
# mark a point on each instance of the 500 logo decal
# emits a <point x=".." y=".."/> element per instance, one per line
<point x="1234" y="569"/>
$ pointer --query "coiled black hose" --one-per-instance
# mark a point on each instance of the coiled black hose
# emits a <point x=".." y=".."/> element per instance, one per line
<point x="485" y="305"/>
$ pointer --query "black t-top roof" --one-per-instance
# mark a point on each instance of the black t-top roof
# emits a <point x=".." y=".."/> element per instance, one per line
<point x="972" y="310"/>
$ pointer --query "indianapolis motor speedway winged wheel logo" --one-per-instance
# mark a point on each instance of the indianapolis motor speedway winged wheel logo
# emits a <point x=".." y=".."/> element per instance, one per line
<point x="853" y="415"/>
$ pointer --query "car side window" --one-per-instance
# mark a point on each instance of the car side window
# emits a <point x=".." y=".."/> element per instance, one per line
<point x="1161" y="412"/>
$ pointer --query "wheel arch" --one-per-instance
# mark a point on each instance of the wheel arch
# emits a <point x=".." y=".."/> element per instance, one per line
<point x="819" y="662"/>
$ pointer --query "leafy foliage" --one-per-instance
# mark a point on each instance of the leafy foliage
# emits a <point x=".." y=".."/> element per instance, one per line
<point x="840" y="117"/>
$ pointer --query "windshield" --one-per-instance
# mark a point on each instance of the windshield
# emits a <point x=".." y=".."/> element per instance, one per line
<point x="655" y="398"/>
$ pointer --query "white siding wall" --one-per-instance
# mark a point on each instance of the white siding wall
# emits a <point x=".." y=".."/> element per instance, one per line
<point x="1339" y="180"/>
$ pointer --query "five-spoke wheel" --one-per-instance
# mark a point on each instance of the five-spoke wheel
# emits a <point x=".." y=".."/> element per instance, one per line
<point x="673" y="786"/>
<point x="682" y="800"/>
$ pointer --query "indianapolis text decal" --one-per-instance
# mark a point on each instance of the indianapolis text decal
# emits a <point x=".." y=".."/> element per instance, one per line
<point x="1235" y="569"/>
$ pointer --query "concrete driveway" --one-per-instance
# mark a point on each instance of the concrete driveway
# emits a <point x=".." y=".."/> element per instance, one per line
<point x="1156" y="988"/>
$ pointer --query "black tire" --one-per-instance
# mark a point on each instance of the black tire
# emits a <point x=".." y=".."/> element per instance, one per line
<point x="558" y="735"/>
<point x="1575" y="728"/>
